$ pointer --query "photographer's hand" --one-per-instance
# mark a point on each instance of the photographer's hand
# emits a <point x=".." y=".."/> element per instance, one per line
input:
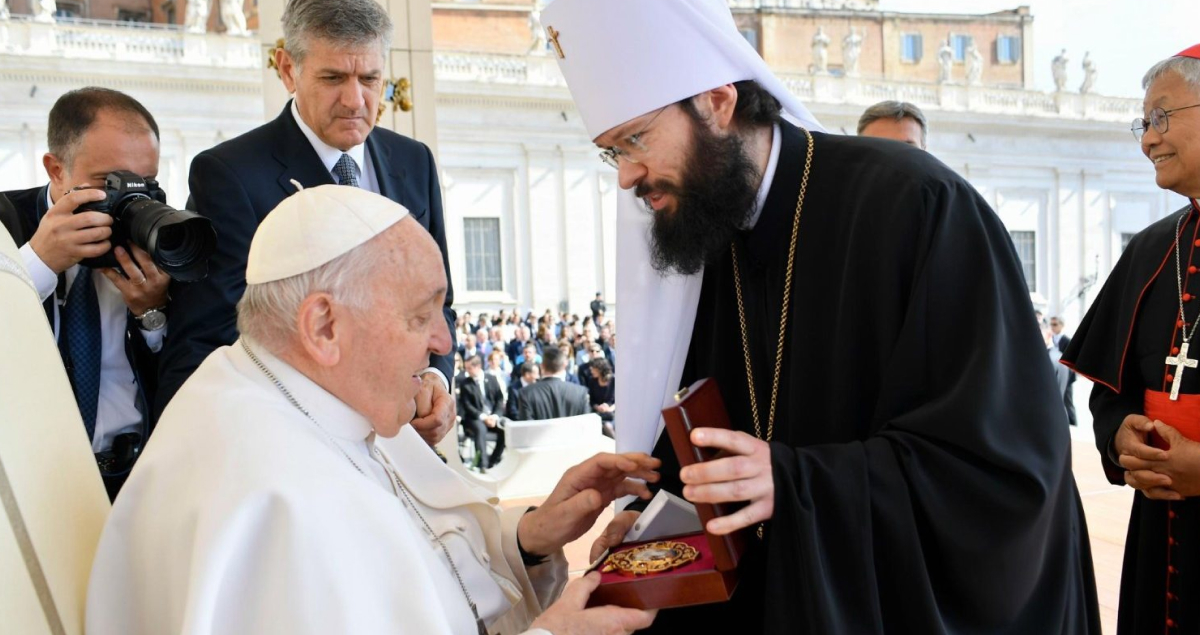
<point x="63" y="238"/>
<point x="144" y="285"/>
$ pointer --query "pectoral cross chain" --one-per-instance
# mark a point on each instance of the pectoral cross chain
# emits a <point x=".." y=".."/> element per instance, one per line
<point x="1180" y="362"/>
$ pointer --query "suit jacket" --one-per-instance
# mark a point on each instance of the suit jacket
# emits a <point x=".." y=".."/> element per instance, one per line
<point x="470" y="397"/>
<point x="25" y="210"/>
<point x="12" y="222"/>
<point x="552" y="398"/>
<point x="512" y="408"/>
<point x="236" y="184"/>
<point x="1063" y="342"/>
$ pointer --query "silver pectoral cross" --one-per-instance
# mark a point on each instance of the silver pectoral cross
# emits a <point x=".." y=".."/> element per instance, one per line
<point x="1180" y="362"/>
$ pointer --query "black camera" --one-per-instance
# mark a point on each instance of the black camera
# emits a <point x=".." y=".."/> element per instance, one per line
<point x="180" y="242"/>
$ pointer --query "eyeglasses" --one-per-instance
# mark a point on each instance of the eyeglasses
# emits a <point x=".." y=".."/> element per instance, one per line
<point x="1158" y="119"/>
<point x="638" y="150"/>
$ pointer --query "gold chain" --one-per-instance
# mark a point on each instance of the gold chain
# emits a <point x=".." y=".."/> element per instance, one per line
<point x="783" y="318"/>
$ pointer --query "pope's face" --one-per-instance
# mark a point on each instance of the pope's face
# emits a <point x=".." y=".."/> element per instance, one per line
<point x="907" y="130"/>
<point x="393" y="339"/>
<point x="337" y="89"/>
<point x="1175" y="154"/>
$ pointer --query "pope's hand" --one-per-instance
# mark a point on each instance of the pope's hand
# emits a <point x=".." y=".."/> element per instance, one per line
<point x="614" y="534"/>
<point x="567" y="616"/>
<point x="435" y="410"/>
<point x="582" y="493"/>
<point x="745" y="476"/>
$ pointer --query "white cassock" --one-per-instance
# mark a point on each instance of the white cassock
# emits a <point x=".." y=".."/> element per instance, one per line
<point x="244" y="517"/>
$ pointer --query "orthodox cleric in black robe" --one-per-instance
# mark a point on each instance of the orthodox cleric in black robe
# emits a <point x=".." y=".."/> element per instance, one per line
<point x="921" y="459"/>
<point x="1122" y="345"/>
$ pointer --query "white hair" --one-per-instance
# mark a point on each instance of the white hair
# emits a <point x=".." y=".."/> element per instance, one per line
<point x="267" y="312"/>
<point x="1187" y="68"/>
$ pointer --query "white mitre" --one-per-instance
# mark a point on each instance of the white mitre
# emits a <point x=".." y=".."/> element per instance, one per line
<point x="314" y="226"/>
<point x="623" y="59"/>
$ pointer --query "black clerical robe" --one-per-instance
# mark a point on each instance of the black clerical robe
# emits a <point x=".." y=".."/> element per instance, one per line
<point x="921" y="458"/>
<point x="1122" y="345"/>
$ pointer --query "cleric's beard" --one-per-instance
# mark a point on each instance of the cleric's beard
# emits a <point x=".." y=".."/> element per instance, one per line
<point x="716" y="198"/>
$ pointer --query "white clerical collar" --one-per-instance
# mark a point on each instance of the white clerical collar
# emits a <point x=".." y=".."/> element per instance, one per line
<point x="331" y="413"/>
<point x="328" y="154"/>
<point x="768" y="178"/>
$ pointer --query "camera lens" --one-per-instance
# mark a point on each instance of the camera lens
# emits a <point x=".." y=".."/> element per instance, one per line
<point x="180" y="242"/>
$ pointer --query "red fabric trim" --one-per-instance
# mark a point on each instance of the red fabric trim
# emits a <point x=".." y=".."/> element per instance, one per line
<point x="1071" y="365"/>
<point x="1182" y="414"/>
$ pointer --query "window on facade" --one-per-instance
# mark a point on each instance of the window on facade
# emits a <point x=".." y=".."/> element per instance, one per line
<point x="911" y="48"/>
<point x="482" y="241"/>
<point x="751" y="36"/>
<point x="125" y="15"/>
<point x="960" y="44"/>
<point x="1125" y="238"/>
<point x="1008" y="49"/>
<point x="1026" y="244"/>
<point x="68" y="10"/>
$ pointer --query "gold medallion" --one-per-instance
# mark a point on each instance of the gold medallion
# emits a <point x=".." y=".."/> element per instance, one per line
<point x="652" y="557"/>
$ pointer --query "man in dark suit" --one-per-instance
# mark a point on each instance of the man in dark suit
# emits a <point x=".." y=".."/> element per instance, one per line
<point x="528" y="374"/>
<point x="109" y="323"/>
<point x="552" y="397"/>
<point x="1062" y="340"/>
<point x="481" y="402"/>
<point x="333" y="63"/>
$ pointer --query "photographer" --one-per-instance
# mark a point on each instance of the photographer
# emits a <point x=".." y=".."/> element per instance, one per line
<point x="109" y="325"/>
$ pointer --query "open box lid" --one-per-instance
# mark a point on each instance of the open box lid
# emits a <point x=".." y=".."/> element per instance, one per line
<point x="700" y="406"/>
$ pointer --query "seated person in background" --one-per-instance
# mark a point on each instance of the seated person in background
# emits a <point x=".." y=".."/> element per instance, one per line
<point x="552" y="397"/>
<point x="109" y="325"/>
<point x="569" y="359"/>
<point x="602" y="393"/>
<point x="529" y="373"/>
<point x="594" y="352"/>
<point x="529" y="353"/>
<point x="272" y="509"/>
<point x="480" y="404"/>
<point x="499" y="368"/>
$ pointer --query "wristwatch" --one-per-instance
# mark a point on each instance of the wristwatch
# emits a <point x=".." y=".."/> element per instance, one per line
<point x="153" y="319"/>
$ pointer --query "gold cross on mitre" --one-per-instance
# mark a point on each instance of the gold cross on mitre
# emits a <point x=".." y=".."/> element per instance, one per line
<point x="553" y="37"/>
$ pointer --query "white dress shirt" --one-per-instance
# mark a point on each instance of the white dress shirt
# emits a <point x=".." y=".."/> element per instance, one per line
<point x="330" y="155"/>
<point x="116" y="408"/>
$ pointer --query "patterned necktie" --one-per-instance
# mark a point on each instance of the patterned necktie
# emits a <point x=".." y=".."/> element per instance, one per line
<point x="344" y="170"/>
<point x="80" y="340"/>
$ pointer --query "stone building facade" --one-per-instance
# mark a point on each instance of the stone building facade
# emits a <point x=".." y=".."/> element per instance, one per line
<point x="530" y="209"/>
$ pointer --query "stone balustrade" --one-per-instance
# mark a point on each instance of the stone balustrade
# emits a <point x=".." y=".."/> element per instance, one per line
<point x="126" y="42"/>
<point x="541" y="71"/>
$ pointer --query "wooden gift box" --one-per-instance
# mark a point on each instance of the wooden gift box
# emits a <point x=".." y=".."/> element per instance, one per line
<point x="713" y="576"/>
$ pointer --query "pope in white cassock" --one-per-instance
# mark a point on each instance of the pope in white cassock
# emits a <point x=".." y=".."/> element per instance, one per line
<point x="264" y="505"/>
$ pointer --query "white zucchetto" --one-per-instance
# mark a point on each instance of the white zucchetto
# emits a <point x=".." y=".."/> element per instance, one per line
<point x="315" y="226"/>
